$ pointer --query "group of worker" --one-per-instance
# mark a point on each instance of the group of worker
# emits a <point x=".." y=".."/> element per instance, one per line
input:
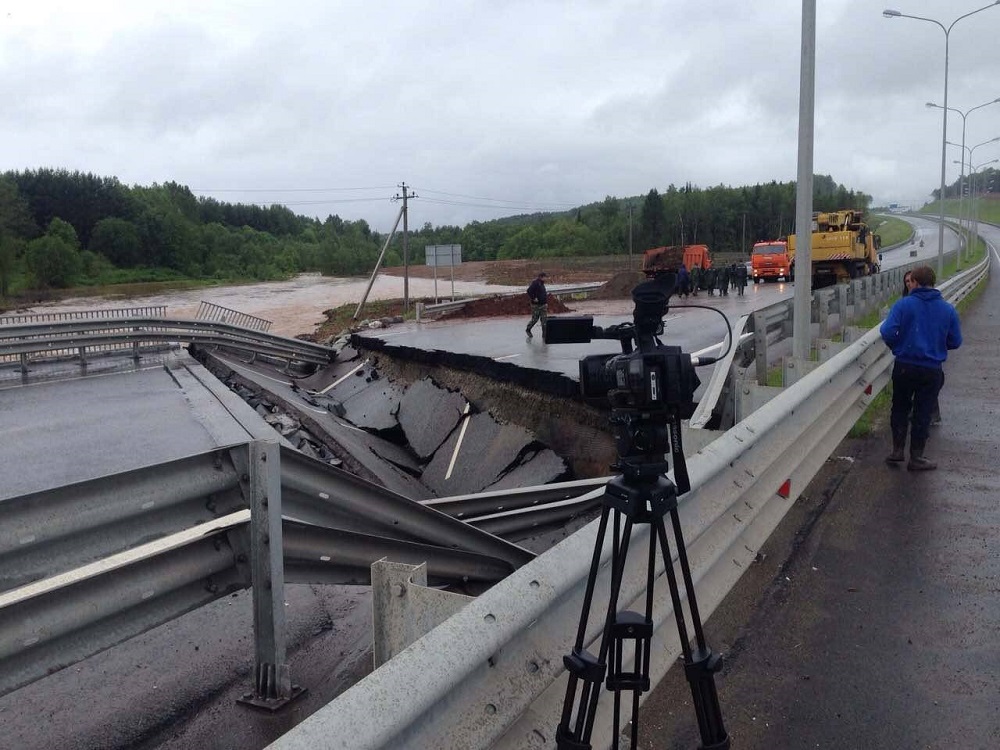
<point x="709" y="280"/>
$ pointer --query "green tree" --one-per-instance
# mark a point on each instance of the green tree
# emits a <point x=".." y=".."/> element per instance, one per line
<point x="64" y="231"/>
<point x="15" y="216"/>
<point x="53" y="262"/>
<point x="10" y="251"/>
<point x="652" y="222"/>
<point x="118" y="241"/>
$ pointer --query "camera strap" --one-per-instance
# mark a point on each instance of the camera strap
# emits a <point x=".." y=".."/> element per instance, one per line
<point x="681" y="479"/>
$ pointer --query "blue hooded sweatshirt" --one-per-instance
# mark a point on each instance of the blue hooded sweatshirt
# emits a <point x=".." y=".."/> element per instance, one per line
<point x="921" y="327"/>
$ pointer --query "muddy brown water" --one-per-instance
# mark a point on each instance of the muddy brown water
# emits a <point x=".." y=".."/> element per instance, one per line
<point x="294" y="307"/>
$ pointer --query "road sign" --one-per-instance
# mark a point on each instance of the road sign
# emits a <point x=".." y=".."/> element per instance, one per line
<point x="443" y="255"/>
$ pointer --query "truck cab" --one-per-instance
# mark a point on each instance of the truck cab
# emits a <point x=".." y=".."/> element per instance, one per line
<point x="770" y="260"/>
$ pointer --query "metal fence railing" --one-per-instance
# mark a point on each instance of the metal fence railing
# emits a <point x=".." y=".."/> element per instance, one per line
<point x="41" y="323"/>
<point x="211" y="311"/>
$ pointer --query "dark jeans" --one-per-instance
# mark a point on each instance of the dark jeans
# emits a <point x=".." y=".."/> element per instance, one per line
<point x="914" y="389"/>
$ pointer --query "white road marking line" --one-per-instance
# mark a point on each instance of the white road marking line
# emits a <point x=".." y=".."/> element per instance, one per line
<point x="254" y="372"/>
<point x="506" y="356"/>
<point x="461" y="437"/>
<point x="282" y="382"/>
<point x="335" y="383"/>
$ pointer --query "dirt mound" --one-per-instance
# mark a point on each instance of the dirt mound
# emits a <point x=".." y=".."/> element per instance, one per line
<point x="619" y="286"/>
<point x="495" y="306"/>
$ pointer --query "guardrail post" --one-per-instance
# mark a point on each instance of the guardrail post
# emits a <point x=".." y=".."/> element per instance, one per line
<point x="760" y="345"/>
<point x="404" y="609"/>
<point x="83" y="356"/>
<point x="842" y="300"/>
<point x="420" y="311"/>
<point x="823" y="313"/>
<point x="24" y="364"/>
<point x="273" y="687"/>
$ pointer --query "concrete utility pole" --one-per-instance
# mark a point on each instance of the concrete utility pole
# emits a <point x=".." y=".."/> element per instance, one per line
<point x="802" y="305"/>
<point x="630" y="235"/>
<point x="406" y="248"/>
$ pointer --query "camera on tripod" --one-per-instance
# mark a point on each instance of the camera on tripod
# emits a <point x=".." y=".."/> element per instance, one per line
<point x="650" y="387"/>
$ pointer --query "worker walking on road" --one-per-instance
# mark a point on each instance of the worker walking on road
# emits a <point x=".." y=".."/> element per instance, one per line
<point x="539" y="303"/>
<point x="741" y="278"/>
<point x="920" y="329"/>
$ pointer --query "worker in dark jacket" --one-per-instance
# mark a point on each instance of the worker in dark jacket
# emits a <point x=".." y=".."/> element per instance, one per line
<point x="683" y="281"/>
<point x="741" y="278"/>
<point x="538" y="298"/>
<point x="920" y="329"/>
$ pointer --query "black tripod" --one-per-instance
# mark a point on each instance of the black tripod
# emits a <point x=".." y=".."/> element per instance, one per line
<point x="640" y="495"/>
<point x="650" y="390"/>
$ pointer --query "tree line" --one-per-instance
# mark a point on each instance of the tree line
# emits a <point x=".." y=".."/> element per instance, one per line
<point x="60" y="228"/>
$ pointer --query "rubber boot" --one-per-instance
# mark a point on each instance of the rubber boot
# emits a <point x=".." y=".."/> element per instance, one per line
<point x="898" y="454"/>
<point x="918" y="462"/>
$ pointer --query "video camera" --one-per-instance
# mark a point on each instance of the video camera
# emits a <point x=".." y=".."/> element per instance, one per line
<point x="649" y="386"/>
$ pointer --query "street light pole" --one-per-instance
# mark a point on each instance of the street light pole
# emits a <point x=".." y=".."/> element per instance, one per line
<point x="975" y="203"/>
<point x="802" y="302"/>
<point x="944" y="115"/>
<point x="961" y="179"/>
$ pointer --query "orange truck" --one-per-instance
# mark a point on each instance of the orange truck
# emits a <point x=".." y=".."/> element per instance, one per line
<point x="670" y="258"/>
<point x="770" y="260"/>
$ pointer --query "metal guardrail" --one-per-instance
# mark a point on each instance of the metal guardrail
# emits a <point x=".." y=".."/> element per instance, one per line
<point x="211" y="311"/>
<point x="110" y="347"/>
<point x="158" y="311"/>
<point x="502" y="685"/>
<point x="77" y="337"/>
<point x="78" y="572"/>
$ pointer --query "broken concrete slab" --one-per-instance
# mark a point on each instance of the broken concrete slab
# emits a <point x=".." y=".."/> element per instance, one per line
<point x="536" y="468"/>
<point x="475" y="456"/>
<point x="374" y="406"/>
<point x="428" y="413"/>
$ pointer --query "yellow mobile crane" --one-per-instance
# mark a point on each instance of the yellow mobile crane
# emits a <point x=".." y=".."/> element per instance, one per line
<point x="843" y="247"/>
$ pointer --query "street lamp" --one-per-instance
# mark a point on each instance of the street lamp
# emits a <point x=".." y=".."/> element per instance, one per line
<point x="944" y="115"/>
<point x="961" y="179"/>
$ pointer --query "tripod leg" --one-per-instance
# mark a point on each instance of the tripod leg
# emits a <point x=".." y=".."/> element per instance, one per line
<point x="584" y="667"/>
<point x="699" y="667"/>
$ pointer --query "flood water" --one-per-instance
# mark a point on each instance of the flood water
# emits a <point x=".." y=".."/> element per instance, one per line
<point x="293" y="307"/>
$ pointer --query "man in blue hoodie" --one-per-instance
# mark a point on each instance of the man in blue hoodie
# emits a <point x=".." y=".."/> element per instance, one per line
<point x="920" y="329"/>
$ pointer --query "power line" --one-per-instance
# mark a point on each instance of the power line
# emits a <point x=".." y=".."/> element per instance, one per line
<point x="289" y="190"/>
<point x="481" y="198"/>
<point x="445" y="202"/>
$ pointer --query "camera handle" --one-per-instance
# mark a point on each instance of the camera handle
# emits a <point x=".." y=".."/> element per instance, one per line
<point x="637" y="496"/>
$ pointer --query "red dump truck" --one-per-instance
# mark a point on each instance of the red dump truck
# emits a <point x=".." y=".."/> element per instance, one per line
<point x="670" y="258"/>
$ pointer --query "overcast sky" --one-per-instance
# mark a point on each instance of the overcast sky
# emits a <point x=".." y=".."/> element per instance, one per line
<point x="486" y="107"/>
